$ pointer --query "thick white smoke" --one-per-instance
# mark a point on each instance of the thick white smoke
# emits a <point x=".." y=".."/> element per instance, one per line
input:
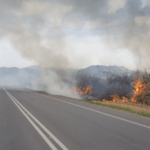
<point x="37" y="29"/>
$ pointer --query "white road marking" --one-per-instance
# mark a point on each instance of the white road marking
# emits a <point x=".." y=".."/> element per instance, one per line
<point x="34" y="125"/>
<point x="119" y="118"/>
<point x="18" y="104"/>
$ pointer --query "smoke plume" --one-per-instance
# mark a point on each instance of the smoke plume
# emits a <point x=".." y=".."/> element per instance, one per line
<point x="37" y="29"/>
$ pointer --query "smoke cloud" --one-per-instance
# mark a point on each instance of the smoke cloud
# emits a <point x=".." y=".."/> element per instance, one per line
<point x="37" y="29"/>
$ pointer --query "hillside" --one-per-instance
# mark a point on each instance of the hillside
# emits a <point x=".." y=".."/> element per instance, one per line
<point x="30" y="77"/>
<point x="20" y="78"/>
<point x="104" y="71"/>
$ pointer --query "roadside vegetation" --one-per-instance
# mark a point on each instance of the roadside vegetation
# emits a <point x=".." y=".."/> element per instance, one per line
<point x="138" y="103"/>
<point x="140" y="109"/>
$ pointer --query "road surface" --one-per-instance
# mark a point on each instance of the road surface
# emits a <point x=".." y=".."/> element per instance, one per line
<point x="33" y="121"/>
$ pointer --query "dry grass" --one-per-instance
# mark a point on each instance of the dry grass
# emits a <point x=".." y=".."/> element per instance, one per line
<point x="133" y="106"/>
<point x="140" y="109"/>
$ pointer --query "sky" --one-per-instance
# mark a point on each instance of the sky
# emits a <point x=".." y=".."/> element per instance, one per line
<point x="90" y="46"/>
<point x="11" y="58"/>
<point x="75" y="33"/>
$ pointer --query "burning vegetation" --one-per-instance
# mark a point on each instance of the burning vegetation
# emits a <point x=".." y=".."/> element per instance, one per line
<point x="83" y="91"/>
<point x="143" y="90"/>
<point x="138" y="90"/>
<point x="115" y="89"/>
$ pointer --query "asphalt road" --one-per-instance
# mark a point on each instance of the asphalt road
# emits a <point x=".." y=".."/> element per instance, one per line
<point x="32" y="121"/>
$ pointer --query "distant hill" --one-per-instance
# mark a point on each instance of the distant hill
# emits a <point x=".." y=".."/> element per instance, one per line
<point x="104" y="71"/>
<point x="30" y="77"/>
<point x="20" y="78"/>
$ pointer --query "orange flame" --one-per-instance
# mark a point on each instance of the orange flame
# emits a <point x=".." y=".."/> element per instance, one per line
<point x="115" y="98"/>
<point x="83" y="91"/>
<point x="139" y="88"/>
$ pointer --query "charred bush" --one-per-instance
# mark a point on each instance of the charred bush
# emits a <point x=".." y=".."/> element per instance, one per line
<point x="104" y="89"/>
<point x="119" y="85"/>
<point x="144" y="96"/>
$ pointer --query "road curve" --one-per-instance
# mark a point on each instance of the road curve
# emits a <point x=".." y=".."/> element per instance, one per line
<point x="32" y="121"/>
